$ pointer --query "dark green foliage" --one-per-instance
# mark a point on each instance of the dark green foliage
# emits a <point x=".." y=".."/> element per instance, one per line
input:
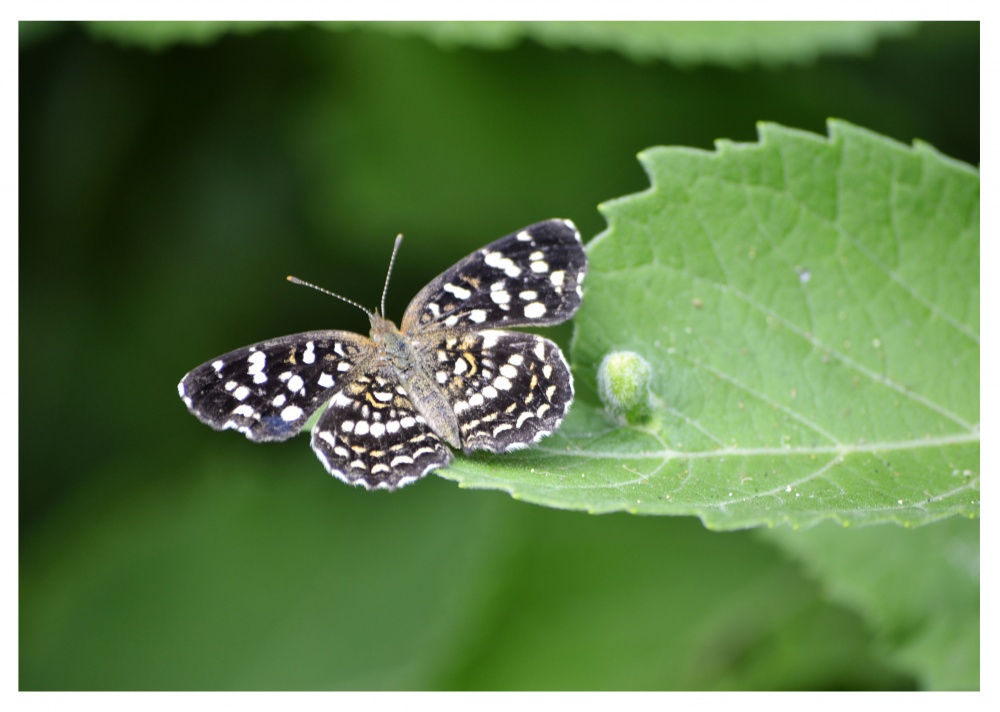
<point x="163" y="198"/>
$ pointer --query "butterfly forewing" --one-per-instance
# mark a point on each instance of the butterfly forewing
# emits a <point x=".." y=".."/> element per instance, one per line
<point x="530" y="277"/>
<point x="268" y="391"/>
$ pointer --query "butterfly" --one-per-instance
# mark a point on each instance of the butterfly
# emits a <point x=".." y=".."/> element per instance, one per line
<point x="451" y="376"/>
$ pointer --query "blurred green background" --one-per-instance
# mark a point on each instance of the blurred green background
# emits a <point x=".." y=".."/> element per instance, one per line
<point x="165" y="194"/>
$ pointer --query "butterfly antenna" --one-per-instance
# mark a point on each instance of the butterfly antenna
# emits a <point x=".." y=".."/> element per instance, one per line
<point x="392" y="261"/>
<point x="296" y="280"/>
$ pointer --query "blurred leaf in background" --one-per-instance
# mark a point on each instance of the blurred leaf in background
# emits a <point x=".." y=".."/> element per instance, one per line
<point x="165" y="194"/>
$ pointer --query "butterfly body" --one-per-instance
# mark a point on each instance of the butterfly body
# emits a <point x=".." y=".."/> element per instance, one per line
<point x="412" y="368"/>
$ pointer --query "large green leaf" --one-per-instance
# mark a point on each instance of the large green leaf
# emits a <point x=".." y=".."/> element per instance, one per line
<point x="809" y="311"/>
<point x="726" y="43"/>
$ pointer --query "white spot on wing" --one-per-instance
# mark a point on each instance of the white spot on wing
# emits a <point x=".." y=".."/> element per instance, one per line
<point x="498" y="261"/>
<point x="257" y="360"/>
<point x="535" y="310"/>
<point x="490" y="338"/>
<point x="459" y="292"/>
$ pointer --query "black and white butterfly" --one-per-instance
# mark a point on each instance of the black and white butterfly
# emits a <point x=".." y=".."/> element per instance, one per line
<point x="450" y="375"/>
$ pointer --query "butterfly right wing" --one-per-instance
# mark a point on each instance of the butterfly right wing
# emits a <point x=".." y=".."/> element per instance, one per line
<point x="372" y="435"/>
<point x="532" y="277"/>
<point x="269" y="390"/>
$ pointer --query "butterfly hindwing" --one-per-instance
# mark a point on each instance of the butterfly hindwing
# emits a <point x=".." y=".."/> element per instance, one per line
<point x="372" y="435"/>
<point x="508" y="389"/>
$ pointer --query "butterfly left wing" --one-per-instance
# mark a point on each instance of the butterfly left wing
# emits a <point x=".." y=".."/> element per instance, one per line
<point x="267" y="391"/>
<point x="372" y="435"/>
<point x="530" y="277"/>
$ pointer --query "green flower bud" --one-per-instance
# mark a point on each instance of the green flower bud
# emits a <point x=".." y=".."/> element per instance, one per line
<point x="623" y="384"/>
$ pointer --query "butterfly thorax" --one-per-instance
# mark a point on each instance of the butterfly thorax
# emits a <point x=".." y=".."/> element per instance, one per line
<point x="416" y="378"/>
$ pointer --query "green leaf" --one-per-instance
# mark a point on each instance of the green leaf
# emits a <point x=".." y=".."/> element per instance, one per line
<point x="163" y="34"/>
<point x="727" y="43"/>
<point x="734" y="44"/>
<point x="810" y="311"/>
<point x="919" y="588"/>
